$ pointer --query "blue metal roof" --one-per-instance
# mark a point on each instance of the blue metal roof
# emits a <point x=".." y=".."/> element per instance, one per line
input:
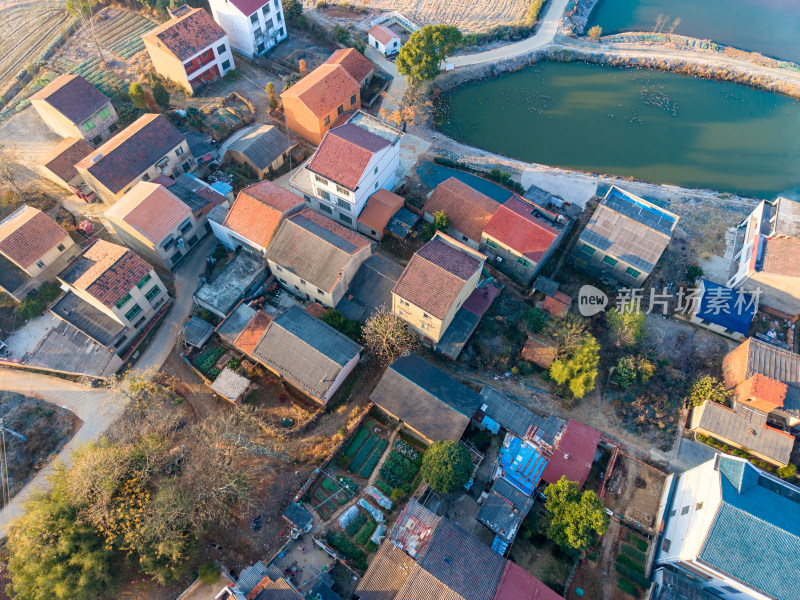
<point x="755" y="534"/>
<point x="522" y="464"/>
<point x="222" y="187"/>
<point x="725" y="307"/>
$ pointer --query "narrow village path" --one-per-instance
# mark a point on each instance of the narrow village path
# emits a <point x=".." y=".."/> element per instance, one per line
<point x="397" y="87"/>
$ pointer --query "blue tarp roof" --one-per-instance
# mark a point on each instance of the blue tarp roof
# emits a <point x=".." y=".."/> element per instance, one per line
<point x="522" y="464"/>
<point x="222" y="187"/>
<point x="725" y="307"/>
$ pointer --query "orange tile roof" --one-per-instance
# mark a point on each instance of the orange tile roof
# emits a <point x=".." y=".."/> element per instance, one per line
<point x="781" y="256"/>
<point x="762" y="393"/>
<point x="383" y="34"/>
<point x="151" y="209"/>
<point x="469" y="210"/>
<point x="258" y="211"/>
<point x="324" y="89"/>
<point x="351" y="59"/>
<point x="540" y="351"/>
<point x="248" y="338"/>
<point x="28" y="234"/>
<point x="188" y="34"/>
<point x="514" y="226"/>
<point x="73" y="97"/>
<point x="379" y="209"/>
<point x="61" y="161"/>
<point x="435" y="276"/>
<point x="106" y="271"/>
<point x="345" y="153"/>
<point x="557" y="305"/>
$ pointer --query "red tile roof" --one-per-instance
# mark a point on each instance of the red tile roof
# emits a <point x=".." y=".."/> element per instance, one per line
<point x="324" y="89"/>
<point x="106" y="271"/>
<point x="379" y="210"/>
<point x="351" y="59"/>
<point x="781" y="256"/>
<point x="248" y="7"/>
<point x="557" y="305"/>
<point x="435" y="276"/>
<point x="132" y="151"/>
<point x="151" y="209"/>
<point x="761" y="393"/>
<point x="61" y="162"/>
<point x="574" y="453"/>
<point x="518" y="584"/>
<point x="469" y="210"/>
<point x="540" y="351"/>
<point x="73" y="97"/>
<point x="187" y="35"/>
<point x="258" y="210"/>
<point x="344" y="154"/>
<point x="28" y="234"/>
<point x="383" y="34"/>
<point x="248" y="338"/>
<point x="514" y="226"/>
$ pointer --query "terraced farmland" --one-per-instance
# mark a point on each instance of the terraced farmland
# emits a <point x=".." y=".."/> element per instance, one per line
<point x="29" y="31"/>
<point x="121" y="31"/>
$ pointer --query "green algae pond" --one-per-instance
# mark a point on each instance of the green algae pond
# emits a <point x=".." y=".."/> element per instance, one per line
<point x="766" y="26"/>
<point x="654" y="126"/>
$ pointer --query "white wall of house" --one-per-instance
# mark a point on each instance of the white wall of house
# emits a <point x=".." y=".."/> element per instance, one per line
<point x="343" y="205"/>
<point x="385" y="49"/>
<point x="346" y="370"/>
<point x="242" y="29"/>
<point x="232" y="240"/>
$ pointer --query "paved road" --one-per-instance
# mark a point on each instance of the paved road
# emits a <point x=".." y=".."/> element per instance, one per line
<point x="398" y="86"/>
<point x="99" y="407"/>
<point x="95" y="407"/>
<point x="543" y="36"/>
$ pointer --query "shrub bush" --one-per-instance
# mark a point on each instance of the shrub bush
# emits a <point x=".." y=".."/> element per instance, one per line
<point x="348" y="549"/>
<point x="209" y="572"/>
<point x="363" y="535"/>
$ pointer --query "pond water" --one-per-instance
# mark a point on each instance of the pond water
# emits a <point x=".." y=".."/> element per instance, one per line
<point x="651" y="125"/>
<point x="767" y="26"/>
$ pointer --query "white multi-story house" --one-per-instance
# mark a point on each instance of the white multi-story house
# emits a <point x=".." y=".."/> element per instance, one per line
<point x="730" y="530"/>
<point x="253" y="26"/>
<point x="353" y="161"/>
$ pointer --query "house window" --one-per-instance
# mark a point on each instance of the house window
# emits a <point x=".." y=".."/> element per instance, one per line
<point x="221" y="49"/>
<point x="610" y="260"/>
<point x="464" y="238"/>
<point x="672" y="513"/>
<point x="269" y="24"/>
<point x="277" y="6"/>
<point x="665" y="544"/>
<point x="404" y="303"/>
<point x="376" y="170"/>
<point x="260" y="48"/>
<point x="729" y="331"/>
<point x="168" y="243"/>
<point x="491" y="244"/>
<point x="307" y="198"/>
<point x="265" y="10"/>
<point x="321" y="179"/>
<point x="324" y="194"/>
<point x="426" y="315"/>
<point x="343" y="204"/>
<point x="178" y="151"/>
<point x="278" y="16"/>
<point x="154" y="291"/>
<point x="186" y="226"/>
<point x="226" y="64"/>
<point x="325" y="208"/>
<point x="327" y="120"/>
<point x="729" y="589"/>
<point x="352" y="100"/>
<point x="89" y="125"/>
<point x="320" y="292"/>
<point x="632" y="272"/>
<point x="146" y="177"/>
<point x="588" y="249"/>
<point x="342" y="191"/>
<point x="133" y="312"/>
<point x="123" y="301"/>
<point x="280" y="31"/>
<point x="699" y="506"/>
<point x="523" y="262"/>
<point x="188" y="66"/>
<point x="346" y="219"/>
<point x="376" y="185"/>
<point x="340" y="110"/>
<point x="684" y="510"/>
<point x="61" y="247"/>
<point x="254" y="18"/>
<point x="424" y="326"/>
<point x="302" y="282"/>
<point x="40" y="264"/>
<point x="278" y="267"/>
<point x="105" y="113"/>
<point x="143" y="281"/>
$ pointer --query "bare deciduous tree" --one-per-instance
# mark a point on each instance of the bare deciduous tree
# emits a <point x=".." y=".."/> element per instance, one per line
<point x="386" y="336"/>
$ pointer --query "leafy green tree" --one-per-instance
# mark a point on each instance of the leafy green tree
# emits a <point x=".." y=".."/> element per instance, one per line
<point x="787" y="472"/>
<point x="292" y="9"/>
<point x="272" y="95"/>
<point x="693" y="273"/>
<point x="441" y="221"/>
<point x="339" y="322"/>
<point x="578" y="370"/>
<point x="633" y="369"/>
<point x="627" y="327"/>
<point x="341" y="34"/>
<point x="574" y="520"/>
<point x="595" y="32"/>
<point x="54" y="555"/>
<point x="136" y="92"/>
<point x="209" y="572"/>
<point x="421" y="55"/>
<point x="708" y="387"/>
<point x="446" y="466"/>
<point x="568" y="333"/>
<point x="160" y="93"/>
<point x="535" y="319"/>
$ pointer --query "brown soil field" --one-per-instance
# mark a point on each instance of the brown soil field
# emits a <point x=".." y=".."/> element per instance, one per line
<point x="467" y="16"/>
<point x="634" y="490"/>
